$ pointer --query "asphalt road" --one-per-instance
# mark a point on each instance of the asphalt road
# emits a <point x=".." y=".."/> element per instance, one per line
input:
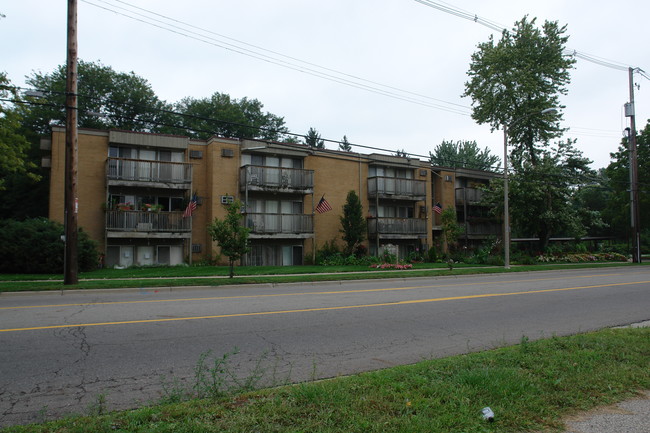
<point x="71" y="352"/>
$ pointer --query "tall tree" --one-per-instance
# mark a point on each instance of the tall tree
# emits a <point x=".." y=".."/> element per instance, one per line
<point x="344" y="145"/>
<point x="313" y="139"/>
<point x="511" y="81"/>
<point x="14" y="147"/>
<point x="617" y="210"/>
<point x="353" y="224"/>
<point x="107" y="99"/>
<point x="23" y="184"/>
<point x="463" y="154"/>
<point x="226" y="117"/>
<point x="230" y="234"/>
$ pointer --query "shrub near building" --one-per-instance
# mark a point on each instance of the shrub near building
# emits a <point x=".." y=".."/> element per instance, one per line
<point x="35" y="246"/>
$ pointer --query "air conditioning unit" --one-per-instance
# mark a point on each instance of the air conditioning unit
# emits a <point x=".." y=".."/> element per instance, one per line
<point x="448" y="178"/>
<point x="196" y="248"/>
<point x="227" y="153"/>
<point x="227" y="199"/>
<point x="196" y="154"/>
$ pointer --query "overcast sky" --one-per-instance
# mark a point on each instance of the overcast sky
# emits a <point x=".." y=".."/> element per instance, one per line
<point x="415" y="52"/>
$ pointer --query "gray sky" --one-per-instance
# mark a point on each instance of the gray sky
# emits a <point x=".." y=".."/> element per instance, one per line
<point x="401" y="47"/>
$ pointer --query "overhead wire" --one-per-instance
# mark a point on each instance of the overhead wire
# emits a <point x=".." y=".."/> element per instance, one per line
<point x="208" y="37"/>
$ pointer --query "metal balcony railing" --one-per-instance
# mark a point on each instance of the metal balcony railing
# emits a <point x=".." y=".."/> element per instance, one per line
<point x="148" y="171"/>
<point x="255" y="176"/>
<point x="136" y="221"/>
<point x="268" y="223"/>
<point x="393" y="186"/>
<point x="397" y="226"/>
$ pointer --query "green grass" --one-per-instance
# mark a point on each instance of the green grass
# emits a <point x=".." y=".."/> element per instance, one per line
<point x="530" y="387"/>
<point x="179" y="276"/>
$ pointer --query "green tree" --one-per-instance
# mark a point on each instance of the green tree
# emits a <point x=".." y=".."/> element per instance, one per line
<point x="14" y="147"/>
<point x="353" y="224"/>
<point x="463" y="154"/>
<point x="401" y="153"/>
<point x="450" y="227"/>
<point x="344" y="145"/>
<point x="617" y="210"/>
<point x="107" y="99"/>
<point x="542" y="196"/>
<point x="226" y="117"/>
<point x="230" y="234"/>
<point x="313" y="139"/>
<point x="512" y="80"/>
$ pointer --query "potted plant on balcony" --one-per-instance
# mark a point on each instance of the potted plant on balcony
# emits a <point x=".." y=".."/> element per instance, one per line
<point x="152" y="207"/>
<point x="124" y="206"/>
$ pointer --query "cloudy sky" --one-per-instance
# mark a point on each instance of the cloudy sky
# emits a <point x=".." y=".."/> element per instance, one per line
<point x="385" y="73"/>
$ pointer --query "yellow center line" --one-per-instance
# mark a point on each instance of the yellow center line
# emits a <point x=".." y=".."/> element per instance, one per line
<point x="307" y="310"/>
<point x="274" y="295"/>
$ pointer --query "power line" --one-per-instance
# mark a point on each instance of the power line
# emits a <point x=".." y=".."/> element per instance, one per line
<point x="447" y="8"/>
<point x="259" y="53"/>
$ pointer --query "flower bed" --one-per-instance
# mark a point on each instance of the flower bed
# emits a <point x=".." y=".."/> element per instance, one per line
<point x="391" y="266"/>
<point x="582" y="258"/>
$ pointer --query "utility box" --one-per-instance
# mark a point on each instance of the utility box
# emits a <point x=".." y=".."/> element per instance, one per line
<point x="629" y="109"/>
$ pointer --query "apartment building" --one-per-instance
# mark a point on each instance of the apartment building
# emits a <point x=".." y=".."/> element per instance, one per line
<point x="134" y="188"/>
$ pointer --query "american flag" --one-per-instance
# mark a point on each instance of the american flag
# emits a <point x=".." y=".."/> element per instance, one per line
<point x="323" y="205"/>
<point x="437" y="208"/>
<point x="191" y="207"/>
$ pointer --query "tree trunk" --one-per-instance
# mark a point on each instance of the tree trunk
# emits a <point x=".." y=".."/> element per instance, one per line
<point x="232" y="268"/>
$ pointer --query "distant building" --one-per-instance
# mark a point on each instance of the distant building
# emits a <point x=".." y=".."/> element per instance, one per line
<point x="134" y="189"/>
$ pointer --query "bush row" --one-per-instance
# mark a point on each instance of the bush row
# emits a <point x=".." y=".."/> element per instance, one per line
<point x="34" y="246"/>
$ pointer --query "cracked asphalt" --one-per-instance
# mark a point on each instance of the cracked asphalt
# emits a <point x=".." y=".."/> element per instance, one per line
<point x="77" y="353"/>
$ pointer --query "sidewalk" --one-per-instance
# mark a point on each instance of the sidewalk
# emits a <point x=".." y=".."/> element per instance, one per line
<point x="630" y="416"/>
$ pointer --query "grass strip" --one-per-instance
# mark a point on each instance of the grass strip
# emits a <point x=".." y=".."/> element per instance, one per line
<point x="167" y="278"/>
<point x="530" y="387"/>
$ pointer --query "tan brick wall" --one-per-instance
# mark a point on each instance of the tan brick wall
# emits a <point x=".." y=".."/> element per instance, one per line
<point x="91" y="181"/>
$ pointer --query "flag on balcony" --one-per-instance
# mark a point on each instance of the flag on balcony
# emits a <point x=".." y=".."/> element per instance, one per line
<point x="191" y="207"/>
<point x="323" y="206"/>
<point x="437" y="208"/>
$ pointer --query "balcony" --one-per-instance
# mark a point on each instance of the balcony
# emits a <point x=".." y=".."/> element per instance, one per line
<point x="292" y="180"/>
<point x="471" y="196"/>
<point x="136" y="224"/>
<point x="396" y="188"/>
<point x="397" y="228"/>
<point x="266" y="225"/>
<point x="157" y="174"/>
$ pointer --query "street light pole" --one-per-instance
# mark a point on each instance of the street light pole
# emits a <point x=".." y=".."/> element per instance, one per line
<point x="506" y="205"/>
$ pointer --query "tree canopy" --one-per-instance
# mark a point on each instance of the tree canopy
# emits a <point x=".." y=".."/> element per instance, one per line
<point x="463" y="154"/>
<point x="511" y="81"/>
<point x="226" y="117"/>
<point x="344" y="145"/>
<point x="107" y="99"/>
<point x="230" y="234"/>
<point x="353" y="224"/>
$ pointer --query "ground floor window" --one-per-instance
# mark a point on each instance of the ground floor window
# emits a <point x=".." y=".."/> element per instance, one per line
<point x="265" y="254"/>
<point x="126" y="255"/>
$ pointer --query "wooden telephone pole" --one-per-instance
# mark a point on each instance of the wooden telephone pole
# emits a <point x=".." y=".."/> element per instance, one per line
<point x="70" y="262"/>
<point x="634" y="176"/>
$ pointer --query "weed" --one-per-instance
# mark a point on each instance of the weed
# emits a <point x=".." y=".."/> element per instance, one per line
<point x="98" y="407"/>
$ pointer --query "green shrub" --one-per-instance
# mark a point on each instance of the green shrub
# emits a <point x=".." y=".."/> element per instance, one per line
<point x="34" y="246"/>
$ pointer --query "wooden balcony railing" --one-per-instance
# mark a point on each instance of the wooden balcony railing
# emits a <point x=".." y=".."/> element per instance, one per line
<point x="277" y="178"/>
<point x="136" y="221"/>
<point x="269" y="223"/>
<point x="148" y="171"/>
<point x="396" y="187"/>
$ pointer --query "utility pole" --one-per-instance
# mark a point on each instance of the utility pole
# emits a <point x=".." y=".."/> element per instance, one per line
<point x="70" y="262"/>
<point x="634" y="177"/>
